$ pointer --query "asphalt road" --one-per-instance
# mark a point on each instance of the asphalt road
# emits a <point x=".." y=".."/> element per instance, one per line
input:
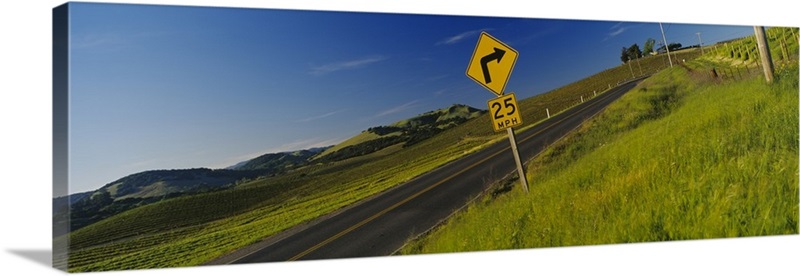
<point x="379" y="226"/>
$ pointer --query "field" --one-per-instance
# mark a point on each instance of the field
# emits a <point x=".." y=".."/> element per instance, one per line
<point x="683" y="156"/>
<point x="193" y="230"/>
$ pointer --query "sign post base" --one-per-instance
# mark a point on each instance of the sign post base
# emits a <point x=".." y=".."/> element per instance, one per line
<point x="522" y="180"/>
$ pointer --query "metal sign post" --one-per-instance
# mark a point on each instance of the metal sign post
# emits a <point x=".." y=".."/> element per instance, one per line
<point x="490" y="66"/>
<point x="520" y="170"/>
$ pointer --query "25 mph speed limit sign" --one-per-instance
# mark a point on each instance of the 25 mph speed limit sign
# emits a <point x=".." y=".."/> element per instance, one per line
<point x="504" y="112"/>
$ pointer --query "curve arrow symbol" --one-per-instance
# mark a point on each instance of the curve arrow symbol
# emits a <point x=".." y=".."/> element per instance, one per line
<point x="496" y="55"/>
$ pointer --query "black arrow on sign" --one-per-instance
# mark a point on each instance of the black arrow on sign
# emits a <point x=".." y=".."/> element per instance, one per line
<point x="497" y="55"/>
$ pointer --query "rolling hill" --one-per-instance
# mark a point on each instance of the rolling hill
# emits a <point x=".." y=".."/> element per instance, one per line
<point x="148" y="187"/>
<point x="277" y="162"/>
<point x="406" y="132"/>
<point x="140" y="189"/>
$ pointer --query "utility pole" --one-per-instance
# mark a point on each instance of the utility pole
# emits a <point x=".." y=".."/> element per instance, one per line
<point x="666" y="45"/>
<point x="701" y="44"/>
<point x="763" y="49"/>
<point x="629" y="66"/>
<point x="640" y="67"/>
<point x="664" y="62"/>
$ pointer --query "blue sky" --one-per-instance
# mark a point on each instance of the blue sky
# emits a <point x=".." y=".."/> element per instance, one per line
<point x="167" y="87"/>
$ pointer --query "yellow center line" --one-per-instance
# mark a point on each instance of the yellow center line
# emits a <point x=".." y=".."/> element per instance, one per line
<point x="390" y="208"/>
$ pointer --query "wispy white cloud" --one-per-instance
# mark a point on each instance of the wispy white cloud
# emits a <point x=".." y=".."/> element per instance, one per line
<point x="314" y="118"/>
<point x="616" y="30"/>
<point x="345" y="65"/>
<point x="438" y="77"/>
<point x="399" y="108"/>
<point x="110" y="41"/>
<point x="533" y="36"/>
<point x="95" y="41"/>
<point x="457" y="38"/>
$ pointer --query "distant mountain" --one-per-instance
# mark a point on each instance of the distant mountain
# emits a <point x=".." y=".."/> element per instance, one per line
<point x="441" y="118"/>
<point x="62" y="202"/>
<point x="272" y="163"/>
<point x="140" y="189"/>
<point x="237" y="165"/>
<point x="159" y="183"/>
<point x="409" y="132"/>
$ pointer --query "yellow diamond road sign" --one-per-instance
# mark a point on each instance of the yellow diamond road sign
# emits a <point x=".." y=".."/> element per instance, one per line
<point x="504" y="112"/>
<point x="491" y="63"/>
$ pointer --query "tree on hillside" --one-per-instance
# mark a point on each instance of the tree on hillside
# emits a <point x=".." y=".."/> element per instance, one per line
<point x="624" y="55"/>
<point x="630" y="53"/>
<point x="648" y="45"/>
<point x="634" y="52"/>
<point x="672" y="47"/>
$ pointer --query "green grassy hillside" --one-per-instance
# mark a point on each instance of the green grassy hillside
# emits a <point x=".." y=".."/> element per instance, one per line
<point x="406" y="132"/>
<point x="364" y="136"/>
<point x="680" y="157"/>
<point x="148" y="187"/>
<point x="440" y="118"/>
<point x="141" y="189"/>
<point x="535" y="108"/>
<point x="280" y="162"/>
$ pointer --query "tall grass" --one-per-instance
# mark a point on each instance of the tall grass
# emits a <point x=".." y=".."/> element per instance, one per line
<point x="783" y="44"/>
<point x="671" y="160"/>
